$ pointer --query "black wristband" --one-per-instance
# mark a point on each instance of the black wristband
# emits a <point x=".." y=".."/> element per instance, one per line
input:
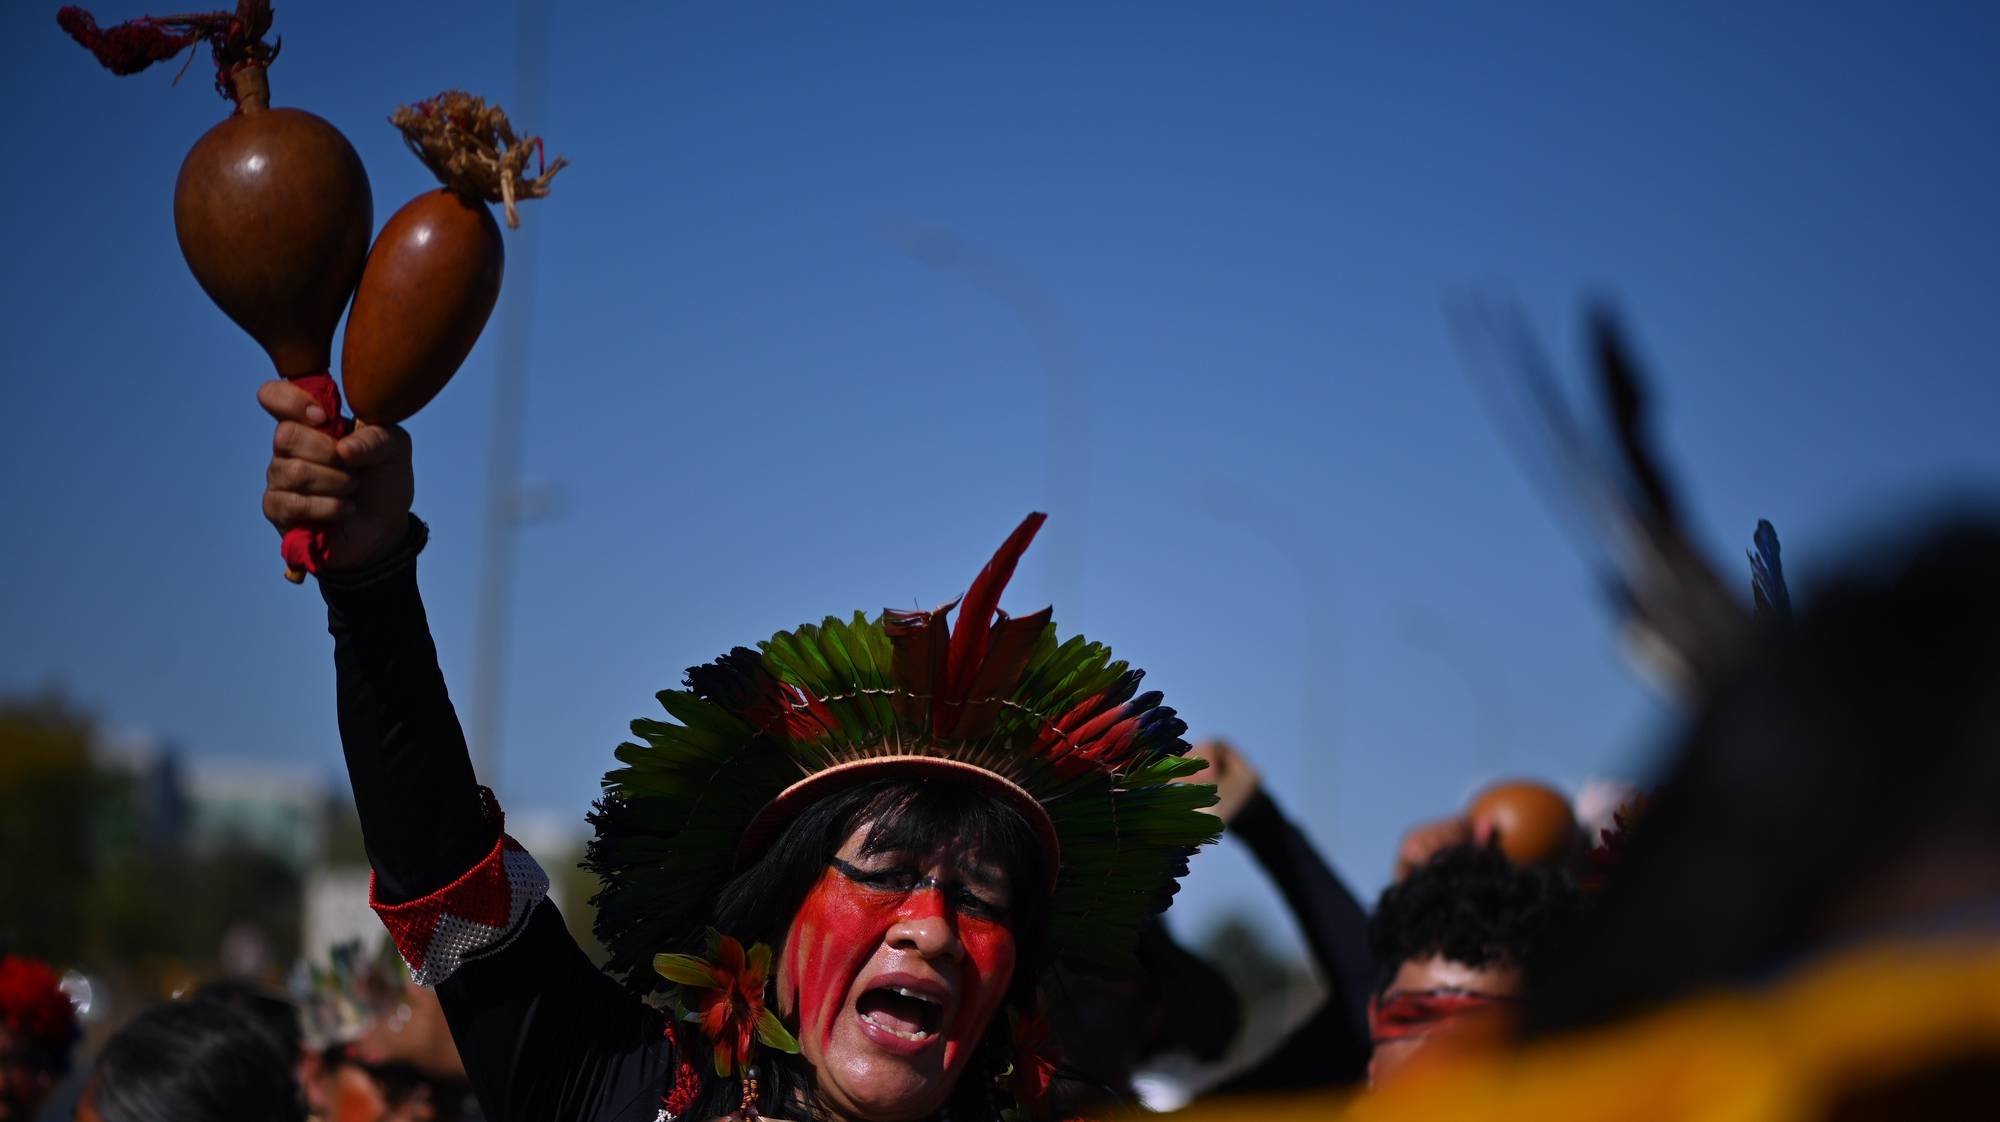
<point x="402" y="557"/>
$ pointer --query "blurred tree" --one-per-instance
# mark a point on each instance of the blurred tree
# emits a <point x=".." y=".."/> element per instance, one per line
<point x="48" y="792"/>
<point x="343" y="831"/>
<point x="578" y="888"/>
<point x="94" y="872"/>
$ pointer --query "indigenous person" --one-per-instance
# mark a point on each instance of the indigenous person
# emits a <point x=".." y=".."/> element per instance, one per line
<point x="194" y="1061"/>
<point x="1451" y="942"/>
<point x="865" y="841"/>
<point x="37" y="1031"/>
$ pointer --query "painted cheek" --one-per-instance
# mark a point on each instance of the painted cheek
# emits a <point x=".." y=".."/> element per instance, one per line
<point x="989" y="967"/>
<point x="836" y="931"/>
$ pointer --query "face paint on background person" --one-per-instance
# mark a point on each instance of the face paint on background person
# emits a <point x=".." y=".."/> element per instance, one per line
<point x="1437" y="1006"/>
<point x="842" y="925"/>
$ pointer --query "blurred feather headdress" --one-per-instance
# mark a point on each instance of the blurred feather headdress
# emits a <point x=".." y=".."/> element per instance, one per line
<point x="342" y="998"/>
<point x="1608" y="481"/>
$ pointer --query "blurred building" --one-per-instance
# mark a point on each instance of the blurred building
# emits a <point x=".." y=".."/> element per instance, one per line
<point x="206" y="804"/>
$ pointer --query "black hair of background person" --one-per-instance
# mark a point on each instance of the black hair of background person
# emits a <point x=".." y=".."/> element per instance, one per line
<point x="1853" y="746"/>
<point x="196" y="1061"/>
<point x="276" y="1015"/>
<point x="1469" y="904"/>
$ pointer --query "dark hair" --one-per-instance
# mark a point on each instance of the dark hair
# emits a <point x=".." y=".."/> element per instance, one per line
<point x="277" y="1016"/>
<point x="196" y="1061"/>
<point x="1470" y="905"/>
<point x="758" y="905"/>
<point x="1846" y="745"/>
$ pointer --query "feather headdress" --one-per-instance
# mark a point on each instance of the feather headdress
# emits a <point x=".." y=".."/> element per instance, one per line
<point x="1681" y="621"/>
<point x="341" y="998"/>
<point x="965" y="693"/>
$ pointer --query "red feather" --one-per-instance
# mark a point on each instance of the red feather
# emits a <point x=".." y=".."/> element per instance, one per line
<point x="1097" y="726"/>
<point x="1056" y="743"/>
<point x="739" y="682"/>
<point x="969" y="637"/>
<point x="1011" y="645"/>
<point x="918" y="641"/>
<point x="1115" y="746"/>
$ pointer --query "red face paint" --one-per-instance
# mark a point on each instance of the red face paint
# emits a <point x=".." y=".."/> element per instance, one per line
<point x="846" y="932"/>
<point x="1407" y="1014"/>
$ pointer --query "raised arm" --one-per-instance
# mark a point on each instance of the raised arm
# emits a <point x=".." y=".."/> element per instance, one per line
<point x="1332" y="1047"/>
<point x="543" y="1034"/>
<point x="420" y="807"/>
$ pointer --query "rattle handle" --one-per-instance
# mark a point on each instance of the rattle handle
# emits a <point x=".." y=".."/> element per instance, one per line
<point x="304" y="547"/>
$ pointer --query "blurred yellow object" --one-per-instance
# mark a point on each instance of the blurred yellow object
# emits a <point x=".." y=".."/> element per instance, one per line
<point x="1853" y="1036"/>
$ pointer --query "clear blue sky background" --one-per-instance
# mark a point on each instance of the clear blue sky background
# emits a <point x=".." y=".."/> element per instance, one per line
<point x="1280" y="494"/>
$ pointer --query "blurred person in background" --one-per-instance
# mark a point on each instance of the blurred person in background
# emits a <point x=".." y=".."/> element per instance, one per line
<point x="1452" y="942"/>
<point x="276" y="1015"/>
<point x="1508" y="911"/>
<point x="1109" y="1028"/>
<point x="1181" y="1007"/>
<point x="1330" y="1048"/>
<point x="1805" y="924"/>
<point x="1530" y="822"/>
<point x="194" y="1061"/>
<point x="376" y="1045"/>
<point x="38" y="1030"/>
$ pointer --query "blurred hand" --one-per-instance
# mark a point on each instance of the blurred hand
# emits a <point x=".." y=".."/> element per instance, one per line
<point x="358" y="488"/>
<point x="1235" y="780"/>
<point x="1423" y="842"/>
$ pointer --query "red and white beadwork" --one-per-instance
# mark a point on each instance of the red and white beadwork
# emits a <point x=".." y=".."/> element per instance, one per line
<point x="473" y="916"/>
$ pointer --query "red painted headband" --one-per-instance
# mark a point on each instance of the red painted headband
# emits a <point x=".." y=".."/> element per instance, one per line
<point x="1415" y="1013"/>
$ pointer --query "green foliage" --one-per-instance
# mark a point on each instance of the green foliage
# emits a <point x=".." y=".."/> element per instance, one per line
<point x="48" y="795"/>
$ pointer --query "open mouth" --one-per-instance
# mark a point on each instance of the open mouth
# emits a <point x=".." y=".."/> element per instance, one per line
<point x="902" y="1012"/>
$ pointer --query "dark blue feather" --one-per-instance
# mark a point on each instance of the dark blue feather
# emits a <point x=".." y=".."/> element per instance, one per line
<point x="1767" y="576"/>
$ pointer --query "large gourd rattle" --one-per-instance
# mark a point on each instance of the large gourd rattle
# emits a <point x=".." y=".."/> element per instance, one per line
<point x="434" y="274"/>
<point x="272" y="207"/>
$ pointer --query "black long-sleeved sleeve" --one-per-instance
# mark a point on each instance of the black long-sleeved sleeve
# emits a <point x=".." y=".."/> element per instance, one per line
<point x="544" y="1035"/>
<point x="1331" y="1047"/>
<point x="421" y="815"/>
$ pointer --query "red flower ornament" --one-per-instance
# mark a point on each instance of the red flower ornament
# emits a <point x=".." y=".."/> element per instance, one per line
<point x="724" y="995"/>
<point x="1033" y="1068"/>
<point x="33" y="1005"/>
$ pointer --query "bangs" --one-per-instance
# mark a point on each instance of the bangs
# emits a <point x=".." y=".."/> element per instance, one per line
<point x="929" y="818"/>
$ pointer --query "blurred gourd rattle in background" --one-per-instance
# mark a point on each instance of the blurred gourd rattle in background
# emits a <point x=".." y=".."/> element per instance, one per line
<point x="1531" y="822"/>
<point x="272" y="210"/>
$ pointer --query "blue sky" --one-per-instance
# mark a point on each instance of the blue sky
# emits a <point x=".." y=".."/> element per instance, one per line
<point x="1196" y="313"/>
